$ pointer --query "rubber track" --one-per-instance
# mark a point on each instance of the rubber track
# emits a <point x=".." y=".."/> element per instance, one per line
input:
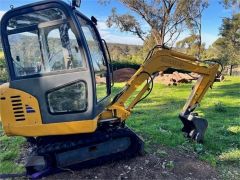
<point x="48" y="146"/>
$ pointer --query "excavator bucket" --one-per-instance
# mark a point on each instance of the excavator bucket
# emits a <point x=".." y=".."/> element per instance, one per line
<point x="194" y="126"/>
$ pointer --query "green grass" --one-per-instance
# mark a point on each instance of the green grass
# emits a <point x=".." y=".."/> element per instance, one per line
<point x="156" y="120"/>
<point x="10" y="149"/>
<point x="1" y="55"/>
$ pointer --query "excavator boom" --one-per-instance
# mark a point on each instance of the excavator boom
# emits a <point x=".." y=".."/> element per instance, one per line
<point x="162" y="60"/>
<point x="159" y="61"/>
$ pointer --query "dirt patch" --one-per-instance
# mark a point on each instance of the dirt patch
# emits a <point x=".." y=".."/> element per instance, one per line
<point x="165" y="163"/>
<point x="175" y="78"/>
<point x="123" y="75"/>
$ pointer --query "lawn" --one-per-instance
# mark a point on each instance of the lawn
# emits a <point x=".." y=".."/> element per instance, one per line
<point x="1" y="54"/>
<point x="156" y="120"/>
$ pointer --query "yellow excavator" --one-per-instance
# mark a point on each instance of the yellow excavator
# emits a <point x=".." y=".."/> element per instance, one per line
<point x="59" y="90"/>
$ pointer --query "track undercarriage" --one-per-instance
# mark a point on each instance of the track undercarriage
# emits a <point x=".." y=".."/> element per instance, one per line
<point x="57" y="153"/>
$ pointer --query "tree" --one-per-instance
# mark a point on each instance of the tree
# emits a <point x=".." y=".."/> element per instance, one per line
<point x="233" y="4"/>
<point x="166" y="18"/>
<point x="230" y="32"/>
<point x="217" y="52"/>
<point x="226" y="49"/>
<point x="190" y="45"/>
<point x="195" y="25"/>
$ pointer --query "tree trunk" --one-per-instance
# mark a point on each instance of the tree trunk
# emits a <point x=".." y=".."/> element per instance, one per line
<point x="157" y="37"/>
<point x="231" y="69"/>
<point x="200" y="36"/>
<point x="200" y="40"/>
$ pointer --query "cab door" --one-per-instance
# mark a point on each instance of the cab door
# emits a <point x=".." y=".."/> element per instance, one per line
<point x="98" y="57"/>
<point x="99" y="61"/>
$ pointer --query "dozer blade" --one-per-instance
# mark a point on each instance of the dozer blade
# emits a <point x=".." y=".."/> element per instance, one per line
<point x="54" y="154"/>
<point x="194" y="127"/>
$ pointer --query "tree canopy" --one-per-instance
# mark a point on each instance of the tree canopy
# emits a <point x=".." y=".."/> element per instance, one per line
<point x="190" y="45"/>
<point x="166" y="18"/>
<point x="230" y="39"/>
<point x="234" y="4"/>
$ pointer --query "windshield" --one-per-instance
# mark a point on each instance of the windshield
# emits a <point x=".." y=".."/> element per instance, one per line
<point x="43" y="42"/>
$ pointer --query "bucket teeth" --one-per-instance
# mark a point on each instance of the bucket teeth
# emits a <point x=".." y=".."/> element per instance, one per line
<point x="194" y="127"/>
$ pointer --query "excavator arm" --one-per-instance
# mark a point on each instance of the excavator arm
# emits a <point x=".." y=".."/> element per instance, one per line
<point x="160" y="60"/>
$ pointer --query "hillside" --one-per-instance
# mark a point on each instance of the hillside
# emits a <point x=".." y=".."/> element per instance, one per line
<point x="122" y="51"/>
<point x="117" y="51"/>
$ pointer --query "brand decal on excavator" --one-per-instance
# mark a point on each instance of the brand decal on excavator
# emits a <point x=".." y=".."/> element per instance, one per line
<point x="29" y="109"/>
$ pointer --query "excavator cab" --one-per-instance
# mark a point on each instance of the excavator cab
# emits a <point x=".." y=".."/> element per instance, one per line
<point x="56" y="55"/>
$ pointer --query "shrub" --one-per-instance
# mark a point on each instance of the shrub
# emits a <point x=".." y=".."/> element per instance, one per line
<point x="219" y="107"/>
<point x="129" y="64"/>
<point x="124" y="64"/>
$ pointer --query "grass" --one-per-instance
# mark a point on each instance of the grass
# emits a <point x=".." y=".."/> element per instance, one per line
<point x="1" y="55"/>
<point x="10" y="153"/>
<point x="156" y="120"/>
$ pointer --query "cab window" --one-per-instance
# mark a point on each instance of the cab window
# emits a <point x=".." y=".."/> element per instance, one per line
<point x="43" y="42"/>
<point x="97" y="57"/>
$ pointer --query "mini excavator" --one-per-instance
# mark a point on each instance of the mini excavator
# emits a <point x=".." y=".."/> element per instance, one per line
<point x="59" y="90"/>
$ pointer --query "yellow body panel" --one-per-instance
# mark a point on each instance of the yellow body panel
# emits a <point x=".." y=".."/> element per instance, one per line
<point x="13" y="103"/>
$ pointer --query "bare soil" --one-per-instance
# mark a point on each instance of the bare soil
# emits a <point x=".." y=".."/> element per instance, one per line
<point x="164" y="163"/>
<point x="123" y="75"/>
<point x="175" y="78"/>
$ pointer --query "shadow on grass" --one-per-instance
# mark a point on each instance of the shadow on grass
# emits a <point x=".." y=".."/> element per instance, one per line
<point x="232" y="90"/>
<point x="156" y="119"/>
<point x="223" y="134"/>
<point x="158" y="123"/>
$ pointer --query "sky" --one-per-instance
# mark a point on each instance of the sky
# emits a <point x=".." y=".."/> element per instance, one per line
<point x="211" y="20"/>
